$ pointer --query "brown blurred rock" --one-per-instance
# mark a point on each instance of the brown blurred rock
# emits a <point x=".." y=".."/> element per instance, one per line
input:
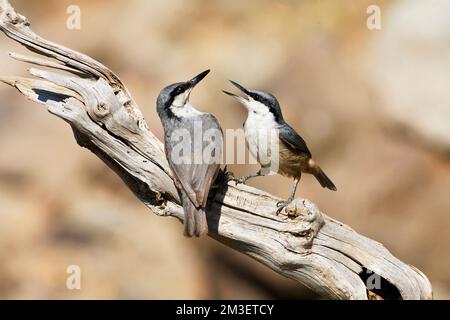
<point x="411" y="59"/>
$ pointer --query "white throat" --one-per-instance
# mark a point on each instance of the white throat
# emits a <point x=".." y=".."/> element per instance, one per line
<point x="185" y="111"/>
<point x="260" y="121"/>
<point x="259" y="116"/>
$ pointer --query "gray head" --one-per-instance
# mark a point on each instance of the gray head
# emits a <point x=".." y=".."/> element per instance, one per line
<point x="257" y="101"/>
<point x="176" y="95"/>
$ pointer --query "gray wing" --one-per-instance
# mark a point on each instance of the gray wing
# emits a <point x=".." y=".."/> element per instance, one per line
<point x="196" y="174"/>
<point x="293" y="139"/>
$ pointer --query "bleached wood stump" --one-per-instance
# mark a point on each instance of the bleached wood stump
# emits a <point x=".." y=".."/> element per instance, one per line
<point x="302" y="243"/>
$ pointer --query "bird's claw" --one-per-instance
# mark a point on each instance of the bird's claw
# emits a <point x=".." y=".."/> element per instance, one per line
<point x="237" y="180"/>
<point x="240" y="180"/>
<point x="224" y="177"/>
<point x="229" y="176"/>
<point x="282" y="204"/>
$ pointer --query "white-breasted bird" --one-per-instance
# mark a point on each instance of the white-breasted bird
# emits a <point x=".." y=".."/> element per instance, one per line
<point x="294" y="158"/>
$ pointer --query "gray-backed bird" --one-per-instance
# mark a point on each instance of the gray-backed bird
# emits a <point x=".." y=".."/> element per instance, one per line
<point x="193" y="146"/>
<point x="264" y="113"/>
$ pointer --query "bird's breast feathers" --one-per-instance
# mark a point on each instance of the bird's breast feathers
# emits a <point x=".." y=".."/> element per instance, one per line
<point x="261" y="135"/>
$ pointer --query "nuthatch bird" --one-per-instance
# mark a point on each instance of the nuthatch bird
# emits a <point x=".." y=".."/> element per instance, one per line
<point x="193" y="177"/>
<point x="264" y="113"/>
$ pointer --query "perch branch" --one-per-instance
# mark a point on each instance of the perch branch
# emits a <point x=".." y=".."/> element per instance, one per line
<point x="302" y="243"/>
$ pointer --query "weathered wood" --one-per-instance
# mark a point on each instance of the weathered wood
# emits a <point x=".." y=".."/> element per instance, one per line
<point x="301" y="243"/>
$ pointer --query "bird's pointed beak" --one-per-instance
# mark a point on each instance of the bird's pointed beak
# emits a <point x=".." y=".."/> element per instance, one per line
<point x="231" y="94"/>
<point x="238" y="98"/>
<point x="195" y="80"/>
<point x="237" y="85"/>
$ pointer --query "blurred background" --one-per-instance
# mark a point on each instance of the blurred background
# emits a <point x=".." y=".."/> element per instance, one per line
<point x="373" y="105"/>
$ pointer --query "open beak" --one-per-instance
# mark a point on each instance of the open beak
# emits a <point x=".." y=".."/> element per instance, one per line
<point x="195" y="80"/>
<point x="238" y="98"/>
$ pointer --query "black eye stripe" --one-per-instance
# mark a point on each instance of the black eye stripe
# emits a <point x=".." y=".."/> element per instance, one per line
<point x="263" y="101"/>
<point x="258" y="98"/>
<point x="271" y="103"/>
<point x="178" y="90"/>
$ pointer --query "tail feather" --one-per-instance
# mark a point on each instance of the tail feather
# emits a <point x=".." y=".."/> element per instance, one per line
<point x="324" y="181"/>
<point x="194" y="218"/>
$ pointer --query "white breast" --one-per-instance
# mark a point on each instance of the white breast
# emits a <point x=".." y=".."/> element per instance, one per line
<point x="261" y="136"/>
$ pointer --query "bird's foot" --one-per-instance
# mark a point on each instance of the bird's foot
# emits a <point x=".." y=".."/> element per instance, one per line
<point x="237" y="180"/>
<point x="241" y="180"/>
<point x="283" y="204"/>
<point x="223" y="177"/>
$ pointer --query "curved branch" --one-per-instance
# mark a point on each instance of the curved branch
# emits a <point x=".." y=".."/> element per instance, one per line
<point x="301" y="243"/>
